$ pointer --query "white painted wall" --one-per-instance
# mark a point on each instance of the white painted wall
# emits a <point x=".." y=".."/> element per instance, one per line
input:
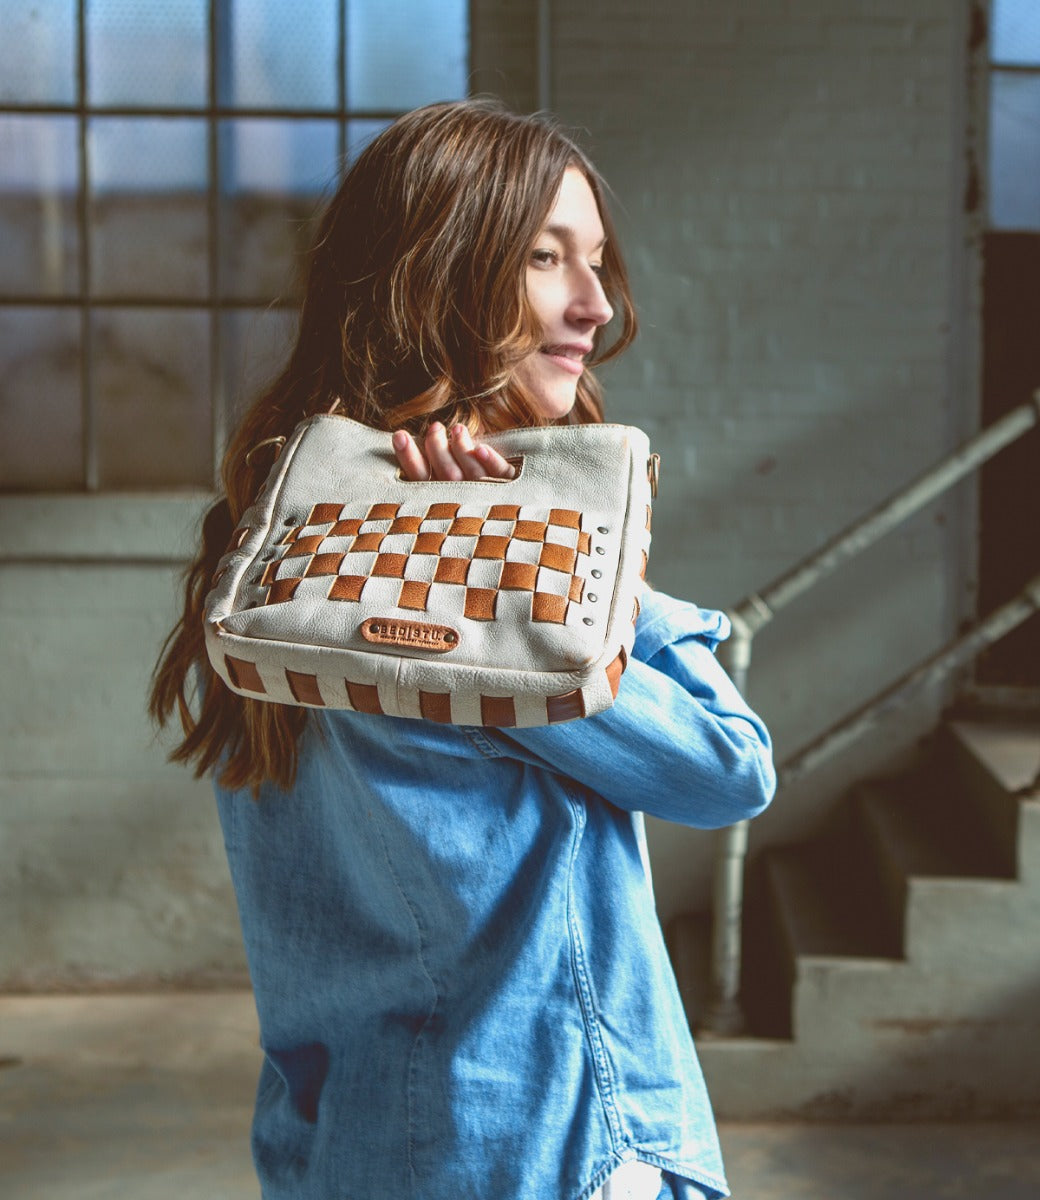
<point x="787" y="182"/>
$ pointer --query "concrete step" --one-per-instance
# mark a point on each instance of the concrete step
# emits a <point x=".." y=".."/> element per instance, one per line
<point x="996" y="764"/>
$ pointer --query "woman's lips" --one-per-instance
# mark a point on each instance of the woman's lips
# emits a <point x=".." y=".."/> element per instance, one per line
<point x="567" y="359"/>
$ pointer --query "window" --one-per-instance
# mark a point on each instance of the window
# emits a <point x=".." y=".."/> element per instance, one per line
<point x="159" y="163"/>
<point x="1014" y="124"/>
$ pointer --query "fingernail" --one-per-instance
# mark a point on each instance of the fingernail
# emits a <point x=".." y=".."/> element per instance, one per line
<point x="400" y="439"/>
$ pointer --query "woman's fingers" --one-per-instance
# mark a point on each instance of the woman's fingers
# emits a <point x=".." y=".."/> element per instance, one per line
<point x="441" y="457"/>
<point x="492" y="463"/>
<point x="413" y="465"/>
<point x="438" y="454"/>
<point x="462" y="449"/>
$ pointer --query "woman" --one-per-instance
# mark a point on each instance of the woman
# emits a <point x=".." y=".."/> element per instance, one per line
<point x="459" y="974"/>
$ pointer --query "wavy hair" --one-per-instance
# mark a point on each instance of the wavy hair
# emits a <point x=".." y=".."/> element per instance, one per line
<point x="414" y="311"/>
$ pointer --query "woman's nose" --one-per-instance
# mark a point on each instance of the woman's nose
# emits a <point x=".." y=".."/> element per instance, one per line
<point x="590" y="302"/>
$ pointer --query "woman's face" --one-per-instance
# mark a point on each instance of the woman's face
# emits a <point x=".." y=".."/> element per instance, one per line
<point x="566" y="296"/>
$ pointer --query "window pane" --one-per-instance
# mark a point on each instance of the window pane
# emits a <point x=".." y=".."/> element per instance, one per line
<point x="38" y="157"/>
<point x="360" y="133"/>
<point x="281" y="55"/>
<point x="256" y="346"/>
<point x="273" y="174"/>
<point x="41" y="419"/>
<point x="148" y="208"/>
<point x="38" y="52"/>
<point x="151" y="396"/>
<point x="1015" y="31"/>
<point x="403" y="53"/>
<point x="148" y="54"/>
<point x="1014" y="151"/>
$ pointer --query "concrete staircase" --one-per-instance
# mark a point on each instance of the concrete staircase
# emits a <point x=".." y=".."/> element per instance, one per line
<point x="892" y="964"/>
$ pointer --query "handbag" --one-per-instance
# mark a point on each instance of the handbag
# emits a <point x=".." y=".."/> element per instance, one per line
<point x="477" y="602"/>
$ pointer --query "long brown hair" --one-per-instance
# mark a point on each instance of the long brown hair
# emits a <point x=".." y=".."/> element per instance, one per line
<point x="414" y="311"/>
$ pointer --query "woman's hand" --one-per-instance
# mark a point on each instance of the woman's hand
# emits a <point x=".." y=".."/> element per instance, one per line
<point x="448" y="457"/>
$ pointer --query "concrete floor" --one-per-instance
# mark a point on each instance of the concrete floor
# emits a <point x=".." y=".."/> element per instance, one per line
<point x="149" y="1098"/>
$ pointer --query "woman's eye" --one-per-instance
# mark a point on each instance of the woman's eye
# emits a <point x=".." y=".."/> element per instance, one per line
<point x="596" y="268"/>
<point x="544" y="258"/>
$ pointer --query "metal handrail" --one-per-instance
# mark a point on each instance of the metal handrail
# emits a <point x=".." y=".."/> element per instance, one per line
<point x="723" y="1014"/>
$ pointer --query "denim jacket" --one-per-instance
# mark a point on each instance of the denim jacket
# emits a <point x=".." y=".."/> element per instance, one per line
<point x="461" y="982"/>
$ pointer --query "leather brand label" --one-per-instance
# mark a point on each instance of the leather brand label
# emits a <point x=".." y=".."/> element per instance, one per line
<point x="417" y="635"/>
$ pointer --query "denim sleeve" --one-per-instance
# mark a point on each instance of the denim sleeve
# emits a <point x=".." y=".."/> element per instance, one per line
<point x="679" y="743"/>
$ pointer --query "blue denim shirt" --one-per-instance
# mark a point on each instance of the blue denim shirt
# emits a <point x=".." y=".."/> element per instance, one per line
<point x="461" y="982"/>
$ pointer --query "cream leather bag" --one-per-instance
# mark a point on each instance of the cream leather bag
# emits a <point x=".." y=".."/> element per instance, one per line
<point x="483" y="602"/>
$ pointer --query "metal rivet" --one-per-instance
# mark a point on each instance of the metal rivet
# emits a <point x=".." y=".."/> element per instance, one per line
<point x="597" y="574"/>
<point x="588" y="621"/>
<point x="450" y="639"/>
<point x="592" y="597"/>
<point x="603" y="529"/>
<point x="600" y="550"/>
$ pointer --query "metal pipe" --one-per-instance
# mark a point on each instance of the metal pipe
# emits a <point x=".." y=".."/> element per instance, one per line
<point x="760" y="607"/>
<point x="932" y="671"/>
<point x="723" y="1014"/>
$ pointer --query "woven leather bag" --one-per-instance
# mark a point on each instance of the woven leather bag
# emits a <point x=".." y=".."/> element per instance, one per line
<point x="480" y="602"/>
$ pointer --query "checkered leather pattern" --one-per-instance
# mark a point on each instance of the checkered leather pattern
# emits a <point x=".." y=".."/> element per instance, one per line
<point x="535" y="594"/>
<point x="434" y="551"/>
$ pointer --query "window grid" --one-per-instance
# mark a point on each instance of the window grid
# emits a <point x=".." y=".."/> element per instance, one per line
<point x="214" y="303"/>
<point x="1010" y="207"/>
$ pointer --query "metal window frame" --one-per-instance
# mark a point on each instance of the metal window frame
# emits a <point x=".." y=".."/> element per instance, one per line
<point x="212" y="303"/>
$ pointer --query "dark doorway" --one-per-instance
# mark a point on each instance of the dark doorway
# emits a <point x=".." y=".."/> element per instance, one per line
<point x="1009" y="552"/>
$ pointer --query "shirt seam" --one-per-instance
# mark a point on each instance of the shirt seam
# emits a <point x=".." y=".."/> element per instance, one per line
<point x="586" y="1000"/>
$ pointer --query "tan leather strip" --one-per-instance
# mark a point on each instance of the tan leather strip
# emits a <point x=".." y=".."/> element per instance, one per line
<point x="282" y="590"/>
<point x="405" y="525"/>
<point x="324" y="564"/>
<point x="368" y="541"/>
<point x="244" y="675"/>
<point x="642" y="569"/>
<point x="530" y="531"/>
<point x="518" y="577"/>
<point x="304" y="687"/>
<point x="615" y="671"/>
<point x="238" y="537"/>
<point x="218" y="575"/>
<point x="305" y="545"/>
<point x="584" y="543"/>
<point x="568" y="707"/>
<point x="480" y="604"/>
<point x="322" y="514"/>
<point x="347" y="528"/>
<point x="429" y="543"/>
<point x="435" y="706"/>
<point x="546" y="607"/>
<point x="576" y="589"/>
<point x="467" y="526"/>
<point x="635" y="610"/>
<point x="391" y="565"/>
<point x="364" y="697"/>
<point x="347" y="587"/>
<point x="270" y="572"/>
<point x="382" y="512"/>
<point x="491" y="547"/>
<point x="498" y="711"/>
<point x="441" y="512"/>
<point x="291" y="536"/>
<point x="451" y="570"/>
<point x="649" y="517"/>
<point x="565" y="516"/>
<point x="559" y="558"/>
<point x="503" y="512"/>
<point x="413" y="594"/>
